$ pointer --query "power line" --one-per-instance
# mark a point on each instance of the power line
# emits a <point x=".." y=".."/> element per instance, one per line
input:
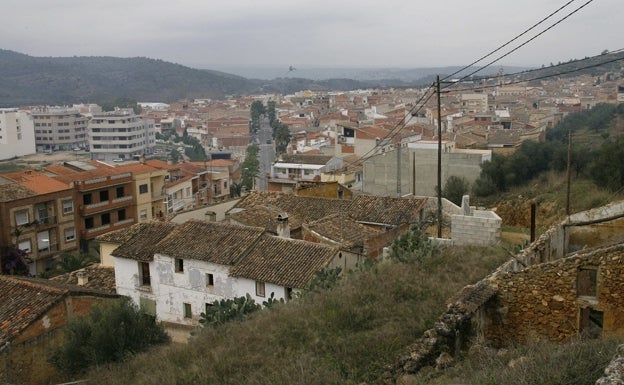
<point x="402" y="124"/>
<point x="510" y="41"/>
<point x="528" y="41"/>
<point x="595" y="65"/>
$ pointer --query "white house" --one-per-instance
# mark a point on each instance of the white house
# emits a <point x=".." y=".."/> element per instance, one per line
<point x="176" y="271"/>
<point x="17" y="133"/>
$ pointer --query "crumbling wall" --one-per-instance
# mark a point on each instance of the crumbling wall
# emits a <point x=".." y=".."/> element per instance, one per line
<point x="545" y="301"/>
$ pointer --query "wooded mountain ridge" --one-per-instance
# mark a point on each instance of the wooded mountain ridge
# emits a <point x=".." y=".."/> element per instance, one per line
<point x="30" y="80"/>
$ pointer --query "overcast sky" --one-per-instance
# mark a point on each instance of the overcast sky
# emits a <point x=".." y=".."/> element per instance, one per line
<point x="312" y="33"/>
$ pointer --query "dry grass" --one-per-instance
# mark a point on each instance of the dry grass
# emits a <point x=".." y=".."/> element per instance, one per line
<point x="342" y="336"/>
<point x="578" y="362"/>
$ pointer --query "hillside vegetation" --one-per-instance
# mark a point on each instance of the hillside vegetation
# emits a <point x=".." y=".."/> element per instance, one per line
<point x="342" y="336"/>
<point x="28" y="80"/>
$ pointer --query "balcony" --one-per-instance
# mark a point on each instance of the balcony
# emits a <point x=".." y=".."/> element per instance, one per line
<point x="105" y="205"/>
<point x="50" y="220"/>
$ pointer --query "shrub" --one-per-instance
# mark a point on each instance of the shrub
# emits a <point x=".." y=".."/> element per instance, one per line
<point x="411" y="246"/>
<point x="111" y="332"/>
<point x="225" y="310"/>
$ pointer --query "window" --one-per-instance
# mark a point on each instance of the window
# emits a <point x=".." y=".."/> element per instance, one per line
<point x="86" y="199"/>
<point x="143" y="214"/>
<point x="208" y="307"/>
<point x="260" y="289"/>
<point x="119" y="192"/>
<point x="21" y="217"/>
<point x="68" y="207"/>
<point x="188" y="192"/>
<point x="188" y="311"/>
<point x="25" y="246"/>
<point x="144" y="274"/>
<point x="586" y="282"/>
<point x="121" y="215"/>
<point x="106" y="219"/>
<point x="103" y="195"/>
<point x="89" y="223"/>
<point x="179" y="265"/>
<point x="209" y="279"/>
<point x="143" y="189"/>
<point x="70" y="235"/>
<point x="148" y="306"/>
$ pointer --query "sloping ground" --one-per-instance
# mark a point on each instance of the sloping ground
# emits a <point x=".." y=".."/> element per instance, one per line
<point x="342" y="336"/>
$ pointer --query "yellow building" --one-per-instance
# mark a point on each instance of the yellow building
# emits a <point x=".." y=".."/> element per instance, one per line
<point x="149" y="189"/>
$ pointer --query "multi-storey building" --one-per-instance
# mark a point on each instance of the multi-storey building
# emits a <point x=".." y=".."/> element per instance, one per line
<point x="59" y="129"/>
<point x="120" y="135"/>
<point x="104" y="196"/>
<point x="38" y="215"/>
<point x="17" y="137"/>
<point x="474" y="103"/>
<point x="148" y="188"/>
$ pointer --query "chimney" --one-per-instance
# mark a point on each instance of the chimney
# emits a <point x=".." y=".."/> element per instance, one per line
<point x="142" y="159"/>
<point x="211" y="216"/>
<point x="283" y="229"/>
<point x="169" y="160"/>
<point x="82" y="278"/>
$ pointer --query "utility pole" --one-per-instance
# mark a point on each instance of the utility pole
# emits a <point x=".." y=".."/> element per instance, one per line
<point x="569" y="172"/>
<point x="398" y="151"/>
<point x="439" y="159"/>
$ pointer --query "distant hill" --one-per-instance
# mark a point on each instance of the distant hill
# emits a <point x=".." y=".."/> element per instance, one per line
<point x="58" y="80"/>
<point x="28" y="80"/>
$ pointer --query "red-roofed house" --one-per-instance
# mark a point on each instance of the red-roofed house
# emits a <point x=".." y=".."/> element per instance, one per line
<point x="37" y="214"/>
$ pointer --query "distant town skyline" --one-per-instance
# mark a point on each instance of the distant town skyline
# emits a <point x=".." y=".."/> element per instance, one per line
<point x="270" y="33"/>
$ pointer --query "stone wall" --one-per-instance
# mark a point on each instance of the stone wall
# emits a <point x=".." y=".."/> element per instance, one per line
<point x="547" y="301"/>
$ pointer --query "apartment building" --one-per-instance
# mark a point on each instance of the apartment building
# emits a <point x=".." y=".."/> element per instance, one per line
<point x="104" y="196"/>
<point x="38" y="215"/>
<point x="17" y="136"/>
<point x="148" y="187"/>
<point x="59" y="129"/>
<point x="474" y="103"/>
<point x="120" y="135"/>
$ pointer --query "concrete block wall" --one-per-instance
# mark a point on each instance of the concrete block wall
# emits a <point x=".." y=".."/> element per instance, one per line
<point x="483" y="228"/>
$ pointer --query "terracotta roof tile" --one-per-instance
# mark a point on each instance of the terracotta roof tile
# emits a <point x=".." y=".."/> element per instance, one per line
<point x="285" y="262"/>
<point x="24" y="300"/>
<point x="139" y="241"/>
<point x="22" y="303"/>
<point x="12" y="191"/>
<point x="263" y="216"/>
<point x="308" y="209"/>
<point x="218" y="243"/>
<point x="386" y="210"/>
<point x="37" y="181"/>
<point x="343" y="230"/>
<point x="98" y="277"/>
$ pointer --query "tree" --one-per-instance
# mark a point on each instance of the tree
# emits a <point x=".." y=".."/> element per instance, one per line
<point x="271" y="112"/>
<point x="412" y="246"/>
<point x="111" y="332"/>
<point x="68" y="262"/>
<point x="257" y="110"/>
<point x="281" y="133"/>
<point x="455" y="188"/>
<point x="608" y="168"/>
<point x="12" y="260"/>
<point x="250" y="166"/>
